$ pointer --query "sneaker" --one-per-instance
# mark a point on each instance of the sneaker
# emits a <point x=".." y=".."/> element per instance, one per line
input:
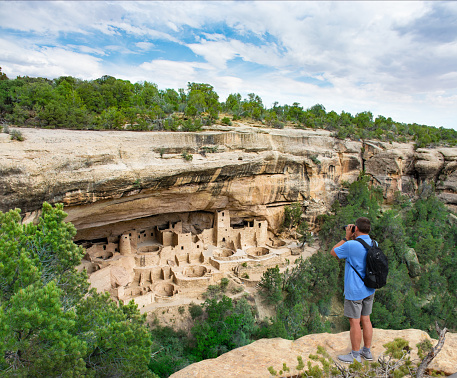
<point x="349" y="358"/>
<point x="366" y="354"/>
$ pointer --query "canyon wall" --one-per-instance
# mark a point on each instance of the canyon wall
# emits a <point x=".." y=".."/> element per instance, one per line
<point x="107" y="179"/>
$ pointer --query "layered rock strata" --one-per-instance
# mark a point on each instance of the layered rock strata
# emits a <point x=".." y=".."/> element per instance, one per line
<point x="105" y="178"/>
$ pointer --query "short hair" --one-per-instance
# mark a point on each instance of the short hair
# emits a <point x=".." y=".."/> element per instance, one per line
<point x="363" y="224"/>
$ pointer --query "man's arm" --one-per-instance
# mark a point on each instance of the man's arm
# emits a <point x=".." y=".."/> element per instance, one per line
<point x="332" y="252"/>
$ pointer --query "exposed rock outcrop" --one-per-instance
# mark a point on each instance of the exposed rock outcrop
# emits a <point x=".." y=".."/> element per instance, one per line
<point x="254" y="359"/>
<point x="108" y="177"/>
<point x="412" y="262"/>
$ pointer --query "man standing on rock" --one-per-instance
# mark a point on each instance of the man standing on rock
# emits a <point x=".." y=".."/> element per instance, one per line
<point x="358" y="301"/>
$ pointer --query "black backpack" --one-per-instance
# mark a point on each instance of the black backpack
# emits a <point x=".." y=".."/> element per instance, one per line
<point x="377" y="266"/>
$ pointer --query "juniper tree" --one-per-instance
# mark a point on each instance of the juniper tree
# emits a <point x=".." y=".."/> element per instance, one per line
<point x="50" y="325"/>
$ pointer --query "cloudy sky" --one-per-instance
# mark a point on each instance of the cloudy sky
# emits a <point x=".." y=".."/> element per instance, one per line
<point x="398" y="59"/>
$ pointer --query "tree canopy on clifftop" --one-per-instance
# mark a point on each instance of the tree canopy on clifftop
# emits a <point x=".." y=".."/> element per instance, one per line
<point x="110" y="103"/>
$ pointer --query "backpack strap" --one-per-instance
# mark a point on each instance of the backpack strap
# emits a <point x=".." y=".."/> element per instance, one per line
<point x="365" y="244"/>
<point x="355" y="270"/>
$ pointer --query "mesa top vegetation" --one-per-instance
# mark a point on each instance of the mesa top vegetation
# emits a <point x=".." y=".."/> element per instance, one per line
<point x="110" y="103"/>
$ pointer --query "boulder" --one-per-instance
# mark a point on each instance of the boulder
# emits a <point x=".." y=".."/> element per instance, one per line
<point x="414" y="268"/>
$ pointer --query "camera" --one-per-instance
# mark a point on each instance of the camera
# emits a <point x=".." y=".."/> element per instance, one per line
<point x="352" y="229"/>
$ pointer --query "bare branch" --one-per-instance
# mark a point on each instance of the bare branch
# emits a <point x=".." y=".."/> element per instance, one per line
<point x="433" y="353"/>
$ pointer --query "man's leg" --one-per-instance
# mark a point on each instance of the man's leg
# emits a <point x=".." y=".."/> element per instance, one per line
<point x="352" y="309"/>
<point x="355" y="333"/>
<point x="367" y="330"/>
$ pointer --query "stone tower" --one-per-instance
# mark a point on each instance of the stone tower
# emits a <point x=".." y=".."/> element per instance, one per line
<point x="124" y="245"/>
<point x="222" y="227"/>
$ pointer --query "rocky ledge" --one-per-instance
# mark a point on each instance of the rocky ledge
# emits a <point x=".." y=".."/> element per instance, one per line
<point x="107" y="177"/>
<point x="253" y="360"/>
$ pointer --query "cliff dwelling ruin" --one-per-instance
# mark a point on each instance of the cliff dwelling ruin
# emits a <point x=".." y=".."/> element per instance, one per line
<point x="161" y="260"/>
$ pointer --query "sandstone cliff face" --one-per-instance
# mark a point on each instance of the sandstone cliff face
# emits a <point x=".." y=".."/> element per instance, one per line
<point x="254" y="359"/>
<point x="107" y="177"/>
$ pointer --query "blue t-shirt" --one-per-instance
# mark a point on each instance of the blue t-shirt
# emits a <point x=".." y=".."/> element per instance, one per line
<point x="355" y="254"/>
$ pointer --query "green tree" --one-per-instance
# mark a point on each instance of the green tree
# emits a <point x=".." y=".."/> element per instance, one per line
<point x="111" y="118"/>
<point x="201" y="98"/>
<point x="146" y="94"/>
<point x="50" y="325"/>
<point x="7" y="89"/>
<point x="90" y="95"/>
<point x="363" y="200"/>
<point x="271" y="285"/>
<point x="3" y="75"/>
<point x="34" y="94"/>
<point x="39" y="337"/>
<point x="294" y="112"/>
<point x="307" y="289"/>
<point x="226" y="326"/>
<point x="292" y="215"/>
<point x="364" y="120"/>
<point x="170" y="351"/>
<point x="118" y="342"/>
<point x="253" y="107"/>
<point x="315" y="116"/>
<point x="233" y="104"/>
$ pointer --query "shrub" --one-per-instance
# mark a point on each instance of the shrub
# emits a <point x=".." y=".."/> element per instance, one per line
<point x="207" y="149"/>
<point x="394" y="362"/>
<point x="237" y="289"/>
<point x="424" y="347"/>
<point x="315" y="160"/>
<point x="226" y="121"/>
<point x="170" y="124"/>
<point x="137" y="184"/>
<point x="189" y="125"/>
<point x="186" y="156"/>
<point x="195" y="310"/>
<point x="212" y="291"/>
<point x="16" y="135"/>
<point x="278" y="125"/>
<point x="224" y="283"/>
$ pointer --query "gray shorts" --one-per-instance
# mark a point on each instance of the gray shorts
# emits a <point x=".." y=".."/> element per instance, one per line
<point x="354" y="309"/>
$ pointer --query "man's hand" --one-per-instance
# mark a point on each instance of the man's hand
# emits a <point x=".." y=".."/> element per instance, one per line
<point x="349" y="234"/>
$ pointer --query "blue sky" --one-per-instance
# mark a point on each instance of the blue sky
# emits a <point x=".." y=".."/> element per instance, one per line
<point x="397" y="59"/>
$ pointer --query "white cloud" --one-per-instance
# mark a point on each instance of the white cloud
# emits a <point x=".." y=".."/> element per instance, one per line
<point x="87" y="49"/>
<point x="47" y="62"/>
<point x="374" y="55"/>
<point x="219" y="52"/>
<point x="145" y="46"/>
<point x="216" y="53"/>
<point x="171" y="74"/>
